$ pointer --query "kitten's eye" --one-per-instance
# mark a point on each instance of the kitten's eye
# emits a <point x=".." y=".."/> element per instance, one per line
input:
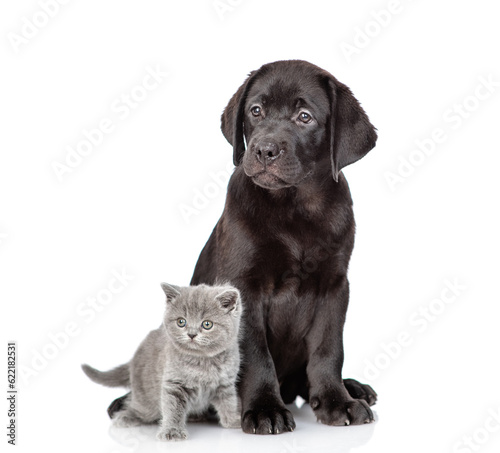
<point x="305" y="117"/>
<point x="256" y="111"/>
<point x="181" y="322"/>
<point x="207" y="325"/>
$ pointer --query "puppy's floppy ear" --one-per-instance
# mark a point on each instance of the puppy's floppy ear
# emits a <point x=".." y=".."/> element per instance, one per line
<point x="351" y="133"/>
<point x="171" y="291"/>
<point x="233" y="117"/>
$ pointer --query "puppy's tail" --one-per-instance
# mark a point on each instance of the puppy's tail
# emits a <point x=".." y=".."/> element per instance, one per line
<point x="117" y="377"/>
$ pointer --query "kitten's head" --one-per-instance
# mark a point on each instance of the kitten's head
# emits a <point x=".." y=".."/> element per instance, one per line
<point x="202" y="320"/>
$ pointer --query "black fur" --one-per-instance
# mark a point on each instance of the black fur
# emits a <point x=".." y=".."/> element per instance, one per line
<point x="285" y="239"/>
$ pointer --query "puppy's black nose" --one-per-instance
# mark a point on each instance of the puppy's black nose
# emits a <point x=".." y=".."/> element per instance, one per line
<point x="192" y="335"/>
<point x="267" y="151"/>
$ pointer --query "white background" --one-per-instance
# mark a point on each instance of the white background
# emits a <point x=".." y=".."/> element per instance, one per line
<point x="120" y="207"/>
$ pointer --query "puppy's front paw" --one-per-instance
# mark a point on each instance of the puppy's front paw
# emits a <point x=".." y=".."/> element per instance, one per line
<point x="172" y="434"/>
<point x="341" y="413"/>
<point x="268" y="420"/>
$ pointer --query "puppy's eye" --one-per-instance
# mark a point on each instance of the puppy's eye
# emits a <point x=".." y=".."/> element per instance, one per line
<point x="305" y="117"/>
<point x="207" y="325"/>
<point x="181" y="322"/>
<point x="256" y="111"/>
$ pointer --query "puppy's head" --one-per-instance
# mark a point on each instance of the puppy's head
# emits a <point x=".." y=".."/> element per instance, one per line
<point x="296" y="120"/>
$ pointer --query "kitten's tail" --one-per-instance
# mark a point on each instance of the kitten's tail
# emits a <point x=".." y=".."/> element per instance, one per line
<point x="117" y="377"/>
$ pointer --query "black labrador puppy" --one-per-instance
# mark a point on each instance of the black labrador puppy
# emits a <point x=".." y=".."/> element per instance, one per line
<point x="285" y="239"/>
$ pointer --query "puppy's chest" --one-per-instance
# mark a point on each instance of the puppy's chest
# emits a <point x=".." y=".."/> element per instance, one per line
<point x="296" y="260"/>
<point x="290" y="309"/>
<point x="299" y="275"/>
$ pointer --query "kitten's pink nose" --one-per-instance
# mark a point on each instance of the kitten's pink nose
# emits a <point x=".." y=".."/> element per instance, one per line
<point x="192" y="335"/>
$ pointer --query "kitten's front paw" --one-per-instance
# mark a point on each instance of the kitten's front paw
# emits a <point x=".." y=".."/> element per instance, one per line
<point x="233" y="423"/>
<point x="172" y="434"/>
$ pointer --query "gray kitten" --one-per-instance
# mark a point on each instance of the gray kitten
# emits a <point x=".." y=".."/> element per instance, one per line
<point x="184" y="367"/>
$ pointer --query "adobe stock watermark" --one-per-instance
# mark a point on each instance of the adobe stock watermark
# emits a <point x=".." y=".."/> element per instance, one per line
<point x="201" y="197"/>
<point x="121" y="108"/>
<point x="419" y="321"/>
<point x="311" y="261"/>
<point x="86" y="312"/>
<point x="475" y="441"/>
<point x="222" y="7"/>
<point x="31" y="26"/>
<point x="365" y="34"/>
<point x="453" y="118"/>
<point x="3" y="237"/>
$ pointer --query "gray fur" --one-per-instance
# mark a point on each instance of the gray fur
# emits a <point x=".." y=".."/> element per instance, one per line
<point x="117" y="377"/>
<point x="173" y="376"/>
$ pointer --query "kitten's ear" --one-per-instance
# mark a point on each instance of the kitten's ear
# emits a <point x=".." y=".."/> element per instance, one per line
<point x="228" y="299"/>
<point x="171" y="291"/>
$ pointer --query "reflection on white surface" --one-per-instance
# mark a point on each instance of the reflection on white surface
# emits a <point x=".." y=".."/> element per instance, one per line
<point x="308" y="436"/>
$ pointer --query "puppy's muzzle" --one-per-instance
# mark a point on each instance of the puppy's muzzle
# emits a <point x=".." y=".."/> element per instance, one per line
<point x="267" y="151"/>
